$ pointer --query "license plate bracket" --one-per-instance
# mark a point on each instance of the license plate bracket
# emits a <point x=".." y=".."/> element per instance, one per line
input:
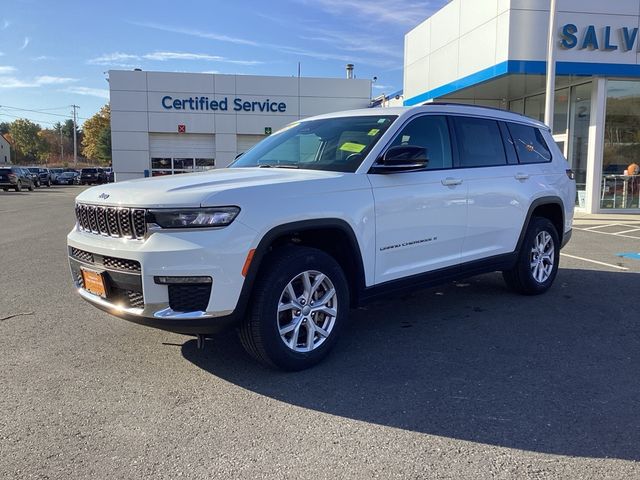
<point x="94" y="282"/>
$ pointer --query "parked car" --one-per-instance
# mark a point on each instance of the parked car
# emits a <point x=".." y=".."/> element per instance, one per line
<point x="16" y="178"/>
<point x="44" y="175"/>
<point x="54" y="174"/>
<point x="68" y="178"/>
<point x="89" y="176"/>
<point x="35" y="175"/>
<point x="284" y="242"/>
<point x="110" y="175"/>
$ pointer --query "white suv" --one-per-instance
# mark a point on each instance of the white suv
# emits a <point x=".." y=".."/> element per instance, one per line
<point x="324" y="215"/>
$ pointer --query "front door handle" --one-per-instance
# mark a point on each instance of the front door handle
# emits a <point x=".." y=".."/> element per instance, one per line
<point x="450" y="181"/>
<point x="522" y="176"/>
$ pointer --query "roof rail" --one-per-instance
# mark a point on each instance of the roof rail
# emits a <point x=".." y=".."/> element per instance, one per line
<point x="476" y="106"/>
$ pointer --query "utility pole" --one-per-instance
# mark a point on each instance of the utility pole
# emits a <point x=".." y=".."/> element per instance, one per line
<point x="61" y="144"/>
<point x="75" y="140"/>
<point x="551" y="67"/>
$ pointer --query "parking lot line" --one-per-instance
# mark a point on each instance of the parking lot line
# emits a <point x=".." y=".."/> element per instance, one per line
<point x="600" y="226"/>
<point x="594" y="261"/>
<point x="606" y="233"/>
<point x="628" y="231"/>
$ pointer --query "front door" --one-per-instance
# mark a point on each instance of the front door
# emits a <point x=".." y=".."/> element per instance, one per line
<point x="420" y="216"/>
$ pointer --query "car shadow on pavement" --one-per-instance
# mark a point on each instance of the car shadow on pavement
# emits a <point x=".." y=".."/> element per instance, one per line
<point x="557" y="373"/>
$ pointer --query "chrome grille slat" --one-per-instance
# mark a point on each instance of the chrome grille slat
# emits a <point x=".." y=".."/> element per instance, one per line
<point x="118" y="222"/>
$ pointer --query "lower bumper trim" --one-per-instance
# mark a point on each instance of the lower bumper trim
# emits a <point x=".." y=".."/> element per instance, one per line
<point x="189" y="323"/>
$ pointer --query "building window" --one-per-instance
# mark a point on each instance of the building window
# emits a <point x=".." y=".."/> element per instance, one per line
<point x="171" y="166"/>
<point x="621" y="160"/>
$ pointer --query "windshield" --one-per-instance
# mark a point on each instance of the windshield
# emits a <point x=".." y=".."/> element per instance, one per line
<point x="68" y="174"/>
<point x="33" y="170"/>
<point x="332" y="144"/>
<point x="89" y="170"/>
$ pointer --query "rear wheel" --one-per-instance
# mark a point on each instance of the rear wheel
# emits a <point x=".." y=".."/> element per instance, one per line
<point x="538" y="259"/>
<point x="299" y="306"/>
<point x="19" y="186"/>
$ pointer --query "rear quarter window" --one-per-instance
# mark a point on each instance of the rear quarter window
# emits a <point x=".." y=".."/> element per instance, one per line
<point x="530" y="144"/>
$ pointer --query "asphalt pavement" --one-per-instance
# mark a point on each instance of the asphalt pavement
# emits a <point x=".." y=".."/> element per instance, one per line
<point x="467" y="380"/>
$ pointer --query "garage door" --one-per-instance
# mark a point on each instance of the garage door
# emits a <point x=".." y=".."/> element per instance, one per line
<point x="245" y="142"/>
<point x="179" y="153"/>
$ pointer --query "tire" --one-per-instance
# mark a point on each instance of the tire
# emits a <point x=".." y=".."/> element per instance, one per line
<point x="263" y="332"/>
<point x="49" y="184"/>
<point x="31" y="188"/>
<point x="18" y="186"/>
<point x="537" y="264"/>
<point x="5" y="189"/>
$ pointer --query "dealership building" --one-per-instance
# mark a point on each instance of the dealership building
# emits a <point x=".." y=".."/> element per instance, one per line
<point x="493" y="53"/>
<point x="166" y="123"/>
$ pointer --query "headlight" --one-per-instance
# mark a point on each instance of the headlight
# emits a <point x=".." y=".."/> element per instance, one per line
<point x="194" y="217"/>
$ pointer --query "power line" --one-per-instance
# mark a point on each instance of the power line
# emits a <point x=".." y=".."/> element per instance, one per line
<point x="21" y="118"/>
<point x="41" y="111"/>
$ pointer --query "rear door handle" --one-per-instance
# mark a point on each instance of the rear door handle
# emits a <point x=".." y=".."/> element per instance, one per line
<point x="522" y="176"/>
<point x="449" y="181"/>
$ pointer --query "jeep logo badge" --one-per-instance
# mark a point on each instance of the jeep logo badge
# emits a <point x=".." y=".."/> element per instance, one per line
<point x="103" y="196"/>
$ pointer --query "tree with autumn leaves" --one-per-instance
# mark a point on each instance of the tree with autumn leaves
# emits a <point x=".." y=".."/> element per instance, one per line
<point x="96" y="140"/>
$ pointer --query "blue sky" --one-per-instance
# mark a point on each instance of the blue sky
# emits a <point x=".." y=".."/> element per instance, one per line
<point x="56" y="53"/>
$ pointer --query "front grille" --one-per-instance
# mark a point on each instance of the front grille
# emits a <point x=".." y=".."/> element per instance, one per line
<point x="126" y="298"/>
<point x="121" y="264"/>
<point x="189" y="298"/>
<point x="82" y="255"/>
<point x="119" y="222"/>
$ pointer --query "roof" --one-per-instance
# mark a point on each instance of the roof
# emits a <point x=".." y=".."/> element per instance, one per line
<point x="437" y="107"/>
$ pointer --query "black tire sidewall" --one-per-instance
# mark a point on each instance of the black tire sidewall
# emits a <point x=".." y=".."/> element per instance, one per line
<point x="273" y="283"/>
<point x="532" y="286"/>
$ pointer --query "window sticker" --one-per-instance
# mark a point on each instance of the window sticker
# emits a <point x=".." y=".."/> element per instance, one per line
<point x="352" y="147"/>
<point x="373" y="132"/>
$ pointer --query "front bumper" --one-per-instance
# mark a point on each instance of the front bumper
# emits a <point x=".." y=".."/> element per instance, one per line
<point x="129" y="268"/>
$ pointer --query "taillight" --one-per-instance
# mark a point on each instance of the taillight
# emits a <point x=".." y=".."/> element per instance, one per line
<point x="570" y="173"/>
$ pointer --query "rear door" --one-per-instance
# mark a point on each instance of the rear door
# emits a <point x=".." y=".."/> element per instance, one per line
<point x="420" y="216"/>
<point x="497" y="203"/>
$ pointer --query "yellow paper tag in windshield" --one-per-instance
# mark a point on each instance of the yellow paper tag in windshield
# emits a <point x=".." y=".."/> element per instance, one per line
<point x="352" y="147"/>
<point x="373" y="131"/>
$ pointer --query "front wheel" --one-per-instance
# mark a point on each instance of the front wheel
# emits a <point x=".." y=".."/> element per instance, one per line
<point x="300" y="304"/>
<point x="538" y="259"/>
<point x="18" y="186"/>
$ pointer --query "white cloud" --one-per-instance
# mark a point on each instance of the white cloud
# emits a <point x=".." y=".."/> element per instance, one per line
<point x="398" y="12"/>
<point x="112" y="58"/>
<point x="13" y="82"/>
<point x="296" y="51"/>
<point x="5" y="24"/>
<point x="51" y="80"/>
<point x="115" y="59"/>
<point x="42" y="57"/>
<point x="197" y="33"/>
<point x="26" y="42"/>
<point x="5" y="69"/>
<point x="92" y="92"/>
<point x="164" y="56"/>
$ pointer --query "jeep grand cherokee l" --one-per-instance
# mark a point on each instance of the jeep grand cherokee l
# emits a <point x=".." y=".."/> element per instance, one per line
<point x="324" y="215"/>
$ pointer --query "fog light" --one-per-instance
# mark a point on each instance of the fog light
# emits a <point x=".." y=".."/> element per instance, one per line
<point x="181" y="280"/>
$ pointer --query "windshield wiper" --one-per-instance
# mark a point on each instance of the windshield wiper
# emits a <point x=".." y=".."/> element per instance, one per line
<point x="271" y="165"/>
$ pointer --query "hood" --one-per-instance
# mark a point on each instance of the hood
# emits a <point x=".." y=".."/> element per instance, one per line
<point x="194" y="189"/>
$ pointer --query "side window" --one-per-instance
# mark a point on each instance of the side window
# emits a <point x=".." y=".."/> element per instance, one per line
<point x="530" y="145"/>
<point x="432" y="133"/>
<point x="479" y="142"/>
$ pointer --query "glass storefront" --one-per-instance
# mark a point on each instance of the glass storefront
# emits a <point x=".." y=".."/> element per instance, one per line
<point x="620" y="187"/>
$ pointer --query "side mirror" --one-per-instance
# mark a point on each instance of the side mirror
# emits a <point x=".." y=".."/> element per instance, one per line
<point x="402" y="158"/>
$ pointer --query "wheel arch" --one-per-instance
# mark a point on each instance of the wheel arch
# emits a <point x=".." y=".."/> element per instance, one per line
<point x="331" y="235"/>
<point x="550" y="207"/>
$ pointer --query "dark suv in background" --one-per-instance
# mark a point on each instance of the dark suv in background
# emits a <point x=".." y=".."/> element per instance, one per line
<point x="90" y="176"/>
<point x="16" y="178"/>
